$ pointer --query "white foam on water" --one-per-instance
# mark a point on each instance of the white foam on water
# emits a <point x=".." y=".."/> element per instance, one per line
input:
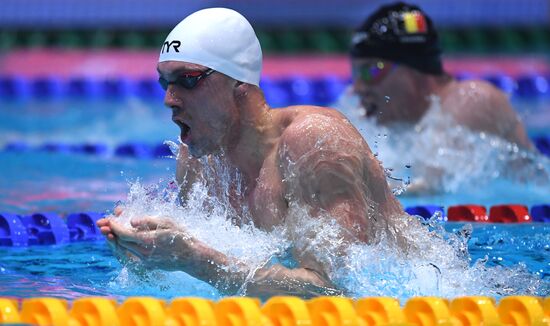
<point x="209" y="217"/>
<point x="443" y="156"/>
<point x="408" y="258"/>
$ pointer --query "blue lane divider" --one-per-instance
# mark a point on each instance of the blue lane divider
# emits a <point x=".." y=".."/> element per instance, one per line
<point x="82" y="226"/>
<point x="14" y="87"/>
<point x="17" y="146"/>
<point x="426" y="211"/>
<point x="46" y="229"/>
<point x="147" y="151"/>
<point x="132" y="149"/>
<point x="300" y="89"/>
<point x="284" y="91"/>
<point x="533" y="86"/>
<point x="505" y="83"/>
<point x="543" y="144"/>
<point x="274" y="93"/>
<point x="328" y="89"/>
<point x="123" y="87"/>
<point x="541" y="213"/>
<point x="82" y="87"/>
<point x="12" y="231"/>
<point x="51" y="87"/>
<point x="162" y="150"/>
<point x="508" y="213"/>
<point x="49" y="228"/>
<point x="89" y="148"/>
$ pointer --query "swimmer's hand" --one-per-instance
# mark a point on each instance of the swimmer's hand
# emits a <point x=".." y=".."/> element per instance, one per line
<point x="128" y="259"/>
<point x="158" y="243"/>
<point x="104" y="223"/>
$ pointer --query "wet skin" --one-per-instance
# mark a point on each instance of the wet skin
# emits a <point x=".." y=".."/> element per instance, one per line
<point x="402" y="96"/>
<point x="301" y="155"/>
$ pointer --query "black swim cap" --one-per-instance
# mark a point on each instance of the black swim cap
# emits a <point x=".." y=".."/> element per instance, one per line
<point x="401" y="33"/>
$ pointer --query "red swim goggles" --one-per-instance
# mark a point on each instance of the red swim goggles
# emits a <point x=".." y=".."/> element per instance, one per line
<point x="188" y="80"/>
<point x="372" y="72"/>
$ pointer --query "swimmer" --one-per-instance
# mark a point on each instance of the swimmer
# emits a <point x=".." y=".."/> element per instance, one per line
<point x="397" y="73"/>
<point x="396" y="67"/>
<point x="304" y="156"/>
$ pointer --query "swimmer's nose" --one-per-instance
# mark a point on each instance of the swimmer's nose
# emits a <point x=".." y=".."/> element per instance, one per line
<point x="171" y="99"/>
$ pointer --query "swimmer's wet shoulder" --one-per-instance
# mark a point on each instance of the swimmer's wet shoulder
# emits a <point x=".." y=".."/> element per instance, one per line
<point x="300" y="130"/>
<point x="327" y="165"/>
<point x="480" y="106"/>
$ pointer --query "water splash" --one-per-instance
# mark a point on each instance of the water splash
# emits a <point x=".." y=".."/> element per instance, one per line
<point x="440" y="156"/>
<point x="409" y="257"/>
<point x="436" y="263"/>
<point x="209" y="216"/>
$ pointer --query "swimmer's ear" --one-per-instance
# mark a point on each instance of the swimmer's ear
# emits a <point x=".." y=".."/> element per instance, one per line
<point x="240" y="91"/>
<point x="248" y="95"/>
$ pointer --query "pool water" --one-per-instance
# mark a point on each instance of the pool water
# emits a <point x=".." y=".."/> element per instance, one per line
<point x="60" y="182"/>
<point x="509" y="259"/>
<point x="89" y="269"/>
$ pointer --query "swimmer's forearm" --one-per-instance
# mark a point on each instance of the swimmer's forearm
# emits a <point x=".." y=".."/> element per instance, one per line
<point x="231" y="276"/>
<point x="280" y="280"/>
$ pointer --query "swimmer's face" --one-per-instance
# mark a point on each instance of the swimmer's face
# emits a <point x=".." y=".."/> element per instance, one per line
<point x="382" y="87"/>
<point x="204" y="109"/>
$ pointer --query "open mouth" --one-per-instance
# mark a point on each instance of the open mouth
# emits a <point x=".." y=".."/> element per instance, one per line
<point x="370" y="108"/>
<point x="184" y="128"/>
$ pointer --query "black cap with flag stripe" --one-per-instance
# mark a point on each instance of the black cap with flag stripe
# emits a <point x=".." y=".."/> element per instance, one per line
<point x="402" y="33"/>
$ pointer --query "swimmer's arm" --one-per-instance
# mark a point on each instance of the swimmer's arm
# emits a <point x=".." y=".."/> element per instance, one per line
<point x="231" y="276"/>
<point x="160" y="244"/>
<point x="335" y="183"/>
<point x="341" y="178"/>
<point x="335" y="188"/>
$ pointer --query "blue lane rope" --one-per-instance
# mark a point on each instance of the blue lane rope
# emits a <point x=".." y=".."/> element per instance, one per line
<point x="141" y="150"/>
<point x="47" y="228"/>
<point x="137" y="150"/>
<point x="278" y="91"/>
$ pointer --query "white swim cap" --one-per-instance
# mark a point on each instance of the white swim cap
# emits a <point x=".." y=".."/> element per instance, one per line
<point x="218" y="38"/>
